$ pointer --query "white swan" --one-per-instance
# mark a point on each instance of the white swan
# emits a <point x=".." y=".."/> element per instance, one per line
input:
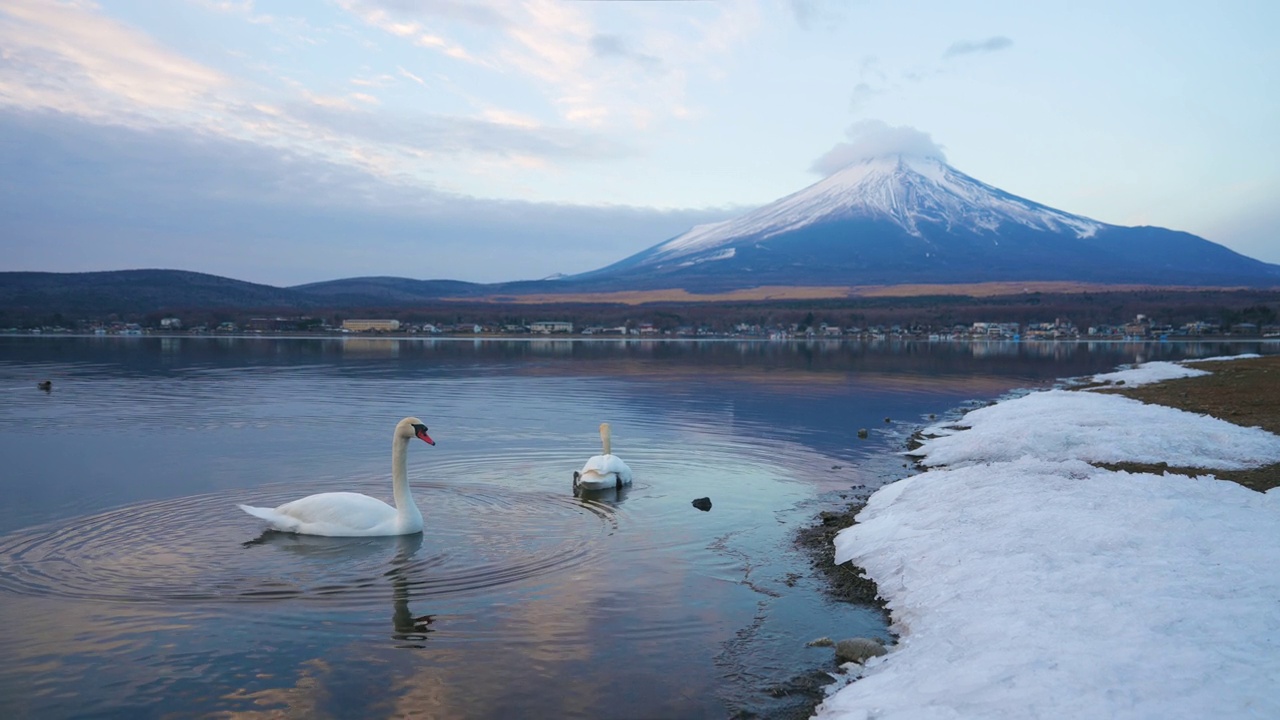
<point x="349" y="514"/>
<point x="602" y="471"/>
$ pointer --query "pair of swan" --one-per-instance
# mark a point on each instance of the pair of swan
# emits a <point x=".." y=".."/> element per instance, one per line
<point x="349" y="514"/>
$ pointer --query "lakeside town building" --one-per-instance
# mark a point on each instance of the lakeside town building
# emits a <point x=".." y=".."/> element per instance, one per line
<point x="359" y="325"/>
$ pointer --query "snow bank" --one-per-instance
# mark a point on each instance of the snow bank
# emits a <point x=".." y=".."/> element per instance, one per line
<point x="1026" y="583"/>
<point x="1096" y="427"/>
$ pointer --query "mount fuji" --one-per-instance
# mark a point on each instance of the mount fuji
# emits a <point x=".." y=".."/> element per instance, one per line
<point x="903" y="219"/>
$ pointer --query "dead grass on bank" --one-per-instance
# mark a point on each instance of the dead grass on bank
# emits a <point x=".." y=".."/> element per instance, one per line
<point x="1242" y="392"/>
<point x="821" y="292"/>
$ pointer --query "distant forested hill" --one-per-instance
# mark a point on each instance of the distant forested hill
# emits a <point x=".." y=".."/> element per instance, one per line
<point x="385" y="291"/>
<point x="133" y="291"/>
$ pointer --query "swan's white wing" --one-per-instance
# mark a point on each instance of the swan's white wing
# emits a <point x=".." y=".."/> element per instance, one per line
<point x="601" y="470"/>
<point x="335" y="513"/>
<point x="347" y="508"/>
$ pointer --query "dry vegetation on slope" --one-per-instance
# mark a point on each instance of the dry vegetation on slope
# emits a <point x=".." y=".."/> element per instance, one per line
<point x="1243" y="392"/>
<point x="827" y="292"/>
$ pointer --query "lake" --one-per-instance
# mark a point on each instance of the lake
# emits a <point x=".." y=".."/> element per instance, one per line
<point x="132" y="586"/>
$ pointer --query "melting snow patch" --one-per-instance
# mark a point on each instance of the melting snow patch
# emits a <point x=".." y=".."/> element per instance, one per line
<point x="1095" y="427"/>
<point x="1243" y="356"/>
<point x="1147" y="373"/>
<point x="1053" y="589"/>
<point x="1024" y="582"/>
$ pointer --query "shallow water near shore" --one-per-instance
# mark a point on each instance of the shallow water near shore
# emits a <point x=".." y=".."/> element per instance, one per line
<point x="131" y="585"/>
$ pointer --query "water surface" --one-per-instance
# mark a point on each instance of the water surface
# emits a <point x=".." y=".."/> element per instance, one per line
<point x="131" y="585"/>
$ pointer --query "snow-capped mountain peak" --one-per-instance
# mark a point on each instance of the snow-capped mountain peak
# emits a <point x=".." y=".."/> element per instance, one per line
<point x="904" y="190"/>
<point x="910" y="219"/>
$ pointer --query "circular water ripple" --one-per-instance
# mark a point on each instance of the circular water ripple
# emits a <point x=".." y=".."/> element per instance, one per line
<point x="204" y="549"/>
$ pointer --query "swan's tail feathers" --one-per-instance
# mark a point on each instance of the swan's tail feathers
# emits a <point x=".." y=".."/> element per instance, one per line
<point x="264" y="513"/>
<point x="277" y="521"/>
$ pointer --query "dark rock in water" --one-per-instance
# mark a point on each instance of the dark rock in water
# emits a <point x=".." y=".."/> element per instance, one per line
<point x="829" y="517"/>
<point x="703" y="504"/>
<point x="858" y="649"/>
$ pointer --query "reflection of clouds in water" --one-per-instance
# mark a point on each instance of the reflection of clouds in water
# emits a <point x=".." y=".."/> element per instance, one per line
<point x="541" y="633"/>
<point x="632" y="592"/>
<point x="305" y="699"/>
<point x="314" y="692"/>
<point x="317" y="685"/>
<point x="53" y="639"/>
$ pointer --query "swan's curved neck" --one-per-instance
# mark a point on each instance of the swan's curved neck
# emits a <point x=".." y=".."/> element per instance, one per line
<point x="604" y="438"/>
<point x="400" y="478"/>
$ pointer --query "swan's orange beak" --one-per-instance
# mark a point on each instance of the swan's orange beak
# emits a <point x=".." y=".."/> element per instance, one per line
<point x="421" y="432"/>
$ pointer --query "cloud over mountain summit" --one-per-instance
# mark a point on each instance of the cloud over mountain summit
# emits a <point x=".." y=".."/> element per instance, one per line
<point x="870" y="139"/>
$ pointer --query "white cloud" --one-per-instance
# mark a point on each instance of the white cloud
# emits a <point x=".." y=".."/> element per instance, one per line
<point x="70" y="58"/>
<point x="623" y="77"/>
<point x="991" y="44"/>
<point x="874" y="138"/>
<point x="411" y="76"/>
<point x="92" y="198"/>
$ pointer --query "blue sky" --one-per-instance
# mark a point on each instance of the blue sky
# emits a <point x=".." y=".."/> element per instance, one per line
<point x="290" y="141"/>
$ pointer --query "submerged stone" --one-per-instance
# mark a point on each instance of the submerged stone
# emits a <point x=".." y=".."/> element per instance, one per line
<point x="858" y="649"/>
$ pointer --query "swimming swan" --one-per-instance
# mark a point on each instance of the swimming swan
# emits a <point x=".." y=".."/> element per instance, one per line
<point x="602" y="471"/>
<point x="349" y="514"/>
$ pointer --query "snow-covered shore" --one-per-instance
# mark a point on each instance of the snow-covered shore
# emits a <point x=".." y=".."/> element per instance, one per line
<point x="1024" y="582"/>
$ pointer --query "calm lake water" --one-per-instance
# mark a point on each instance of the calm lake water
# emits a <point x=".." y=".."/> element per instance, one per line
<point x="132" y="586"/>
